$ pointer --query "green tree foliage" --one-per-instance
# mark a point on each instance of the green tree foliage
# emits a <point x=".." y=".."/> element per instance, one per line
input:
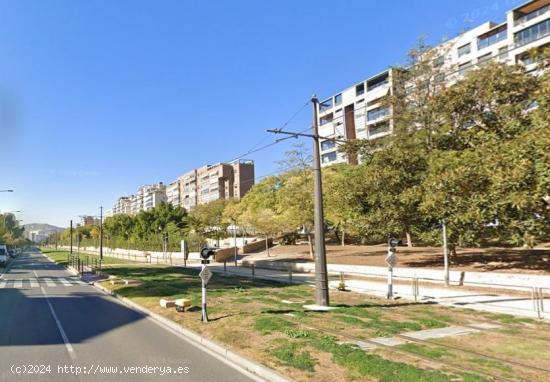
<point x="11" y="233"/>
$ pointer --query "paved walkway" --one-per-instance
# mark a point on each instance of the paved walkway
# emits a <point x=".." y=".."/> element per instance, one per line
<point x="450" y="296"/>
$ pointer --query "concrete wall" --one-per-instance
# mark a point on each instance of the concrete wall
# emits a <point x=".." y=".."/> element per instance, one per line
<point x="495" y="279"/>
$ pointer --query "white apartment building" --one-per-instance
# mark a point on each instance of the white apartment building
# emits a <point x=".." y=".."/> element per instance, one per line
<point x="122" y="206"/>
<point x="355" y="112"/>
<point x="147" y="197"/>
<point x="173" y="193"/>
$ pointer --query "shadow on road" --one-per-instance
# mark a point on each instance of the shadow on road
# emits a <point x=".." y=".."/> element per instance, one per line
<point x="28" y="320"/>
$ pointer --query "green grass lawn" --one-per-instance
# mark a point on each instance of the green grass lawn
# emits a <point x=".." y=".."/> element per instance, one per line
<point x="61" y="257"/>
<point x="251" y="317"/>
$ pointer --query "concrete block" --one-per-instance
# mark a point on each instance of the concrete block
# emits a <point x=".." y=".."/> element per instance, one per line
<point x="167" y="303"/>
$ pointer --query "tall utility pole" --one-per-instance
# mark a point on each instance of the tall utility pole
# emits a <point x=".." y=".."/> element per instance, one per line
<point x="71" y="231"/>
<point x="321" y="274"/>
<point x="101" y="233"/>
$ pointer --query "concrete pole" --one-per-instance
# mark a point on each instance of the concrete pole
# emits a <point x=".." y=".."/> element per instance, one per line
<point x="101" y="233"/>
<point x="71" y="232"/>
<point x="321" y="274"/>
<point x="445" y="254"/>
<point x="235" y="240"/>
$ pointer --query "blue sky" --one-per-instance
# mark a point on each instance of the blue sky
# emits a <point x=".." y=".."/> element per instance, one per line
<point x="99" y="97"/>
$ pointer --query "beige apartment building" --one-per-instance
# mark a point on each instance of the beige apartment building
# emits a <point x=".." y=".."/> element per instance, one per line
<point x="357" y="112"/>
<point x="213" y="182"/>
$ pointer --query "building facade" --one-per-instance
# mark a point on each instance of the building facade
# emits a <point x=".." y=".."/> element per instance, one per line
<point x="147" y="197"/>
<point x="357" y="112"/>
<point x="213" y="182"/>
<point x="89" y="220"/>
<point x="199" y="186"/>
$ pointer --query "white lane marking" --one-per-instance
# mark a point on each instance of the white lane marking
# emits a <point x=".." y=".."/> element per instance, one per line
<point x="49" y="282"/>
<point x="34" y="284"/>
<point x="65" y="282"/>
<point x="68" y="345"/>
<point x="3" y="284"/>
<point x="18" y="284"/>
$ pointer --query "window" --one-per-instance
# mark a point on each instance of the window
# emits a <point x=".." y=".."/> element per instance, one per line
<point x="464" y="49"/>
<point x="377" y="82"/>
<point x="483" y="60"/>
<point x="492" y="37"/>
<point x="338" y="99"/>
<point x="325" y="119"/>
<point x="377" y="113"/>
<point x="532" y="33"/>
<point x="379" y="128"/>
<point x="325" y="105"/>
<point x="463" y="68"/>
<point x="359" y="89"/>
<point x="525" y="59"/>
<point x="327" y="145"/>
<point x="360" y="101"/>
<point x="503" y="53"/>
<point x="328" y="157"/>
<point x="439" y="61"/>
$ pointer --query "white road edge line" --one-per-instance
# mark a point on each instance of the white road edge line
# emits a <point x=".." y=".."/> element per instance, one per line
<point x="68" y="345"/>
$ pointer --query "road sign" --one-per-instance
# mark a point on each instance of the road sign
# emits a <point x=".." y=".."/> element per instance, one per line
<point x="393" y="242"/>
<point x="205" y="275"/>
<point x="391" y="259"/>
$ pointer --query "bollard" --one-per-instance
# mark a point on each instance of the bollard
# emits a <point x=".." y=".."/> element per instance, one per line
<point x="253" y="267"/>
<point x="415" y="288"/>
<point x="538" y="301"/>
<point x="290" y="275"/>
<point x="225" y="265"/>
<point x="461" y="281"/>
<point x="342" y="283"/>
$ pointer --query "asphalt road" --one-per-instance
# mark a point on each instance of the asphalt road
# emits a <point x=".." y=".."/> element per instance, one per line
<point x="51" y="324"/>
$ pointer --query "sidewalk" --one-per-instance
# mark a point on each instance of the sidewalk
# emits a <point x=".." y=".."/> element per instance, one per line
<point x="449" y="296"/>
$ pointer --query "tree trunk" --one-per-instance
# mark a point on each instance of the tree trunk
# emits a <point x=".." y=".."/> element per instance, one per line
<point x="343" y="238"/>
<point x="311" y="253"/>
<point x="267" y="245"/>
<point x="409" y="241"/>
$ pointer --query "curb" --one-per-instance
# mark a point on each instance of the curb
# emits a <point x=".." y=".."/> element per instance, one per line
<point x="251" y="368"/>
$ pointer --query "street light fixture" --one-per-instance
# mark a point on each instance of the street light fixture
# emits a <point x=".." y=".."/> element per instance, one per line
<point x="6" y="190"/>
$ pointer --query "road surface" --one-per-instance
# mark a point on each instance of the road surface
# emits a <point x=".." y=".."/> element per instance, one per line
<point x="54" y="327"/>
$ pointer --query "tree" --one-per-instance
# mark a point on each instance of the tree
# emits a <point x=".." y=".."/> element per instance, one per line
<point x="208" y="219"/>
<point x="343" y="197"/>
<point x="259" y="209"/>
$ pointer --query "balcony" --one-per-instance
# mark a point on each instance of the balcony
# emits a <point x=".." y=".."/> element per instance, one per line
<point x="525" y="17"/>
<point x="376" y="114"/>
<point x="492" y="37"/>
<point x="533" y="33"/>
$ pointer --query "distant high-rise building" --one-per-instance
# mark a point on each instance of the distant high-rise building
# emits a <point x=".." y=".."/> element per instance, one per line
<point x="213" y="182"/>
<point x="147" y="197"/>
<point x="89" y="220"/>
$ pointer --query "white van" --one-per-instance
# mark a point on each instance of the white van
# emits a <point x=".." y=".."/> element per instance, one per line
<point x="3" y="255"/>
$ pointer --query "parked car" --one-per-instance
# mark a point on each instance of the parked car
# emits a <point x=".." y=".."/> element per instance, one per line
<point x="3" y="255"/>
